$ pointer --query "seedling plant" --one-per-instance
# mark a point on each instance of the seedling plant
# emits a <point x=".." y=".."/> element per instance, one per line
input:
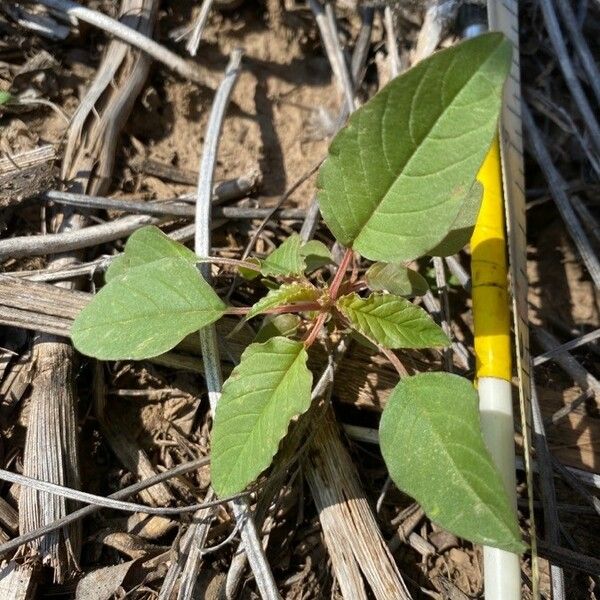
<point x="399" y="183"/>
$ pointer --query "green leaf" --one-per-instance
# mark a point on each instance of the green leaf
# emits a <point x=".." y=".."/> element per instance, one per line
<point x="462" y="229"/>
<point x="392" y="321"/>
<point x="118" y="266"/>
<point x="316" y="255"/>
<point x="286" y="259"/>
<point x="147" y="245"/>
<point x="6" y="98"/>
<point x="397" y="174"/>
<point x="284" y="325"/>
<point x="250" y="274"/>
<point x="431" y="441"/>
<point x="269" y="387"/>
<point x="146" y="311"/>
<point x="286" y="294"/>
<point x="396" y="279"/>
<point x="365" y="342"/>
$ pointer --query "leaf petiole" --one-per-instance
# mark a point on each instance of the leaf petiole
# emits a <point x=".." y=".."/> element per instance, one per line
<point x="218" y="260"/>
<point x="277" y="310"/>
<point x="334" y="289"/>
<point x="316" y="328"/>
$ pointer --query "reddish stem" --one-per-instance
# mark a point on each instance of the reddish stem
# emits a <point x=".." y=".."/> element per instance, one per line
<point x="357" y="286"/>
<point x="334" y="289"/>
<point x="400" y="368"/>
<point x="277" y="310"/>
<point x="293" y="308"/>
<point x="237" y="310"/>
<point x="314" y="332"/>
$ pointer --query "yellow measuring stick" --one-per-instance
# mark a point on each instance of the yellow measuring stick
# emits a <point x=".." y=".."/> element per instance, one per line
<point x="491" y="314"/>
<point x="489" y="276"/>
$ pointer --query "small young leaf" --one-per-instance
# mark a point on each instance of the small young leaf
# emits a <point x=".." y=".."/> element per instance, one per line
<point x="146" y="245"/>
<point x="284" y="325"/>
<point x="250" y="274"/>
<point x="396" y="279"/>
<point x="464" y="224"/>
<point x="6" y="98"/>
<point x="286" y="259"/>
<point x="432" y="444"/>
<point x="286" y="294"/>
<point x="392" y="321"/>
<point x="146" y="311"/>
<point x="316" y="255"/>
<point x="397" y="174"/>
<point x="269" y="387"/>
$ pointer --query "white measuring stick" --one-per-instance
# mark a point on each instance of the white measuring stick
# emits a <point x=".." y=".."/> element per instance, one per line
<point x="501" y="569"/>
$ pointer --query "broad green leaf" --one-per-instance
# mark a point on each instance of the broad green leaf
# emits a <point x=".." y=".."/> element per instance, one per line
<point x="146" y="311"/>
<point x="286" y="294"/>
<point x="316" y="254"/>
<point x="146" y="245"/>
<point x="284" y="325"/>
<point x="432" y="444"/>
<point x="392" y="321"/>
<point x="286" y="259"/>
<point x="397" y="174"/>
<point x="464" y="224"/>
<point x="396" y="279"/>
<point x="269" y="387"/>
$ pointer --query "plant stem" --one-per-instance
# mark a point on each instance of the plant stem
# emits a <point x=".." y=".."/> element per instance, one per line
<point x="400" y="368"/>
<point x="314" y="332"/>
<point x="291" y="308"/>
<point x="238" y="310"/>
<point x="277" y="310"/>
<point x="334" y="290"/>
<point x="218" y="260"/>
<point x="339" y="274"/>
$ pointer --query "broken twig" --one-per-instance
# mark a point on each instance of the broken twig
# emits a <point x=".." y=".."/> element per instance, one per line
<point x="133" y="37"/>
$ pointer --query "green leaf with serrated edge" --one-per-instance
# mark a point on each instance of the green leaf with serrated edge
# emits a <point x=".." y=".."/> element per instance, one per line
<point x="286" y="259"/>
<point x="146" y="245"/>
<point x="269" y="387"/>
<point x="392" y="321"/>
<point x="146" y="311"/>
<point x="432" y="444"/>
<point x="462" y="229"/>
<point x="397" y="174"/>
<point x="316" y="254"/>
<point x="285" y="294"/>
<point x="396" y="279"/>
<point x="285" y="325"/>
